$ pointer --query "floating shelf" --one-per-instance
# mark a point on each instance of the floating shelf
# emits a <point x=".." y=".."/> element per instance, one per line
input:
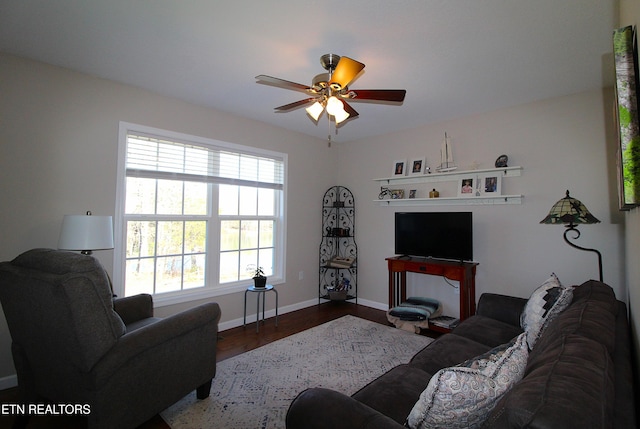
<point x="453" y="201"/>
<point x="450" y="177"/>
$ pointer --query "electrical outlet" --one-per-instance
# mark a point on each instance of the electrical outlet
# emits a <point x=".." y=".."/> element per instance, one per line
<point x="300" y="275"/>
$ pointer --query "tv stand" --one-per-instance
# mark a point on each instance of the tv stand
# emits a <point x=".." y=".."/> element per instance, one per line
<point x="464" y="272"/>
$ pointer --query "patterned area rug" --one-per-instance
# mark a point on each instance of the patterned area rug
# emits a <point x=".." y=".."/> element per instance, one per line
<point x="254" y="390"/>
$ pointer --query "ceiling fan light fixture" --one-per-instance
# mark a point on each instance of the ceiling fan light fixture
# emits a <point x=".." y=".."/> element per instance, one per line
<point x="330" y="91"/>
<point x="341" y="116"/>
<point x="315" y="110"/>
<point x="334" y="106"/>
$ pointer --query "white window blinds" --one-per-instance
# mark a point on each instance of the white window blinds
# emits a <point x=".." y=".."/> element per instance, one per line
<point x="148" y="156"/>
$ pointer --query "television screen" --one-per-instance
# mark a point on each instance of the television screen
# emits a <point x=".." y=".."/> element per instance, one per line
<point x="441" y="235"/>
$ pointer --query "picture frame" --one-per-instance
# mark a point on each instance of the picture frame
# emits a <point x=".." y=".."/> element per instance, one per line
<point x="467" y="187"/>
<point x="400" y="168"/>
<point x="625" y="52"/>
<point x="416" y="166"/>
<point x="397" y="194"/>
<point x="412" y="193"/>
<point x="489" y="184"/>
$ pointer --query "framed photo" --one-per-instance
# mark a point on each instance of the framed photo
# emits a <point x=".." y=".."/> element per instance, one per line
<point x="400" y="167"/>
<point x="627" y="85"/>
<point x="489" y="184"/>
<point x="397" y="194"/>
<point x="412" y="193"/>
<point x="467" y="187"/>
<point x="416" y="166"/>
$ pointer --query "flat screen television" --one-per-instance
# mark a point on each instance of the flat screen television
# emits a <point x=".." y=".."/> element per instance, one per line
<point x="440" y="235"/>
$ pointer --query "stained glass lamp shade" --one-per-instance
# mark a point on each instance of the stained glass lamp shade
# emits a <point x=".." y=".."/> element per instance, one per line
<point x="571" y="212"/>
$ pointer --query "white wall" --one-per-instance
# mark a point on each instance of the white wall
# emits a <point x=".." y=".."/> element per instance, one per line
<point x="563" y="143"/>
<point x="58" y="144"/>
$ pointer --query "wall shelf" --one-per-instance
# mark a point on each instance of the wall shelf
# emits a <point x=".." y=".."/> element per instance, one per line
<point x="451" y="177"/>
<point x="453" y="201"/>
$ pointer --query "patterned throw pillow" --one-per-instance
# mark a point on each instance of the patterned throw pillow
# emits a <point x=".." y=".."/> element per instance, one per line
<point x="463" y="396"/>
<point x="546" y="302"/>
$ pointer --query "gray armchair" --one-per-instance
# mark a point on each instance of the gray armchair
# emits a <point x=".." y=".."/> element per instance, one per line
<point x="72" y="343"/>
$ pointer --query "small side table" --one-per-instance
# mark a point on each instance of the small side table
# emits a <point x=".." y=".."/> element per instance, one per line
<point x="261" y="293"/>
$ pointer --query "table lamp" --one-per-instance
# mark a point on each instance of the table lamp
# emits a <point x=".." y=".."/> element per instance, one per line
<point x="86" y="233"/>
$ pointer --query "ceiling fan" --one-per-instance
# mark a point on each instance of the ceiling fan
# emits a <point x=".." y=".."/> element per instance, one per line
<point x="329" y="91"/>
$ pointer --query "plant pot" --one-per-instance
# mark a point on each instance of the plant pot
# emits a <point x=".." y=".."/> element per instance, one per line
<point x="259" y="282"/>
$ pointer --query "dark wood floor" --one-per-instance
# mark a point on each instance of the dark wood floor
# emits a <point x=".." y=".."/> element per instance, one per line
<point x="231" y="342"/>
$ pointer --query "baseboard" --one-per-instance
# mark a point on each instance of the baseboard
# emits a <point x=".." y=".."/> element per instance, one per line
<point x="8" y="382"/>
<point x="373" y="304"/>
<point x="251" y="318"/>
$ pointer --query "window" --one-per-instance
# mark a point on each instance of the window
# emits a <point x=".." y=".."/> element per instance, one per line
<point x="195" y="217"/>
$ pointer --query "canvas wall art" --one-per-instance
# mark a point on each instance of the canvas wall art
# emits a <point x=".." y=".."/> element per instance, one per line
<point x="626" y="62"/>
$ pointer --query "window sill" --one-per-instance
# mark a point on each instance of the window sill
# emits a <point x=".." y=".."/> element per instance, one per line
<point x="172" y="298"/>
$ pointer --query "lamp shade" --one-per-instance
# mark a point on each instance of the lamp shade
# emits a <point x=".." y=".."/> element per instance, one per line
<point x="569" y="210"/>
<point x="86" y="232"/>
<point x="315" y="110"/>
<point x="334" y="106"/>
<point x="341" y="116"/>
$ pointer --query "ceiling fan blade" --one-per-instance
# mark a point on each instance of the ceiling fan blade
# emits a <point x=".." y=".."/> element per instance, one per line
<point x="295" y="105"/>
<point x="346" y="70"/>
<point x="377" y="94"/>
<point x="269" y="80"/>
<point x="350" y="110"/>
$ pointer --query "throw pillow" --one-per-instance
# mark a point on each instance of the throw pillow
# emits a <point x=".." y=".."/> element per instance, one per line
<point x="546" y="302"/>
<point x="463" y="396"/>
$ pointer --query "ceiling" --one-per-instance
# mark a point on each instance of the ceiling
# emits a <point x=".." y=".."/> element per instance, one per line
<point x="454" y="57"/>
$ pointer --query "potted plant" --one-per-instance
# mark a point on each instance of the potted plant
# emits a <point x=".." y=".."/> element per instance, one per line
<point x="259" y="279"/>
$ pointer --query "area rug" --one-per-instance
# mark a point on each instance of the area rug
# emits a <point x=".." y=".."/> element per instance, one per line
<point x="254" y="390"/>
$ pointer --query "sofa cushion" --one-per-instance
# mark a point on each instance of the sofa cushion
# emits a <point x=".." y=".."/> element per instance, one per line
<point x="464" y="395"/>
<point x="486" y="330"/>
<point x="592" y="314"/>
<point x="394" y="393"/>
<point x="546" y="302"/>
<point x="447" y="350"/>
<point x="568" y="384"/>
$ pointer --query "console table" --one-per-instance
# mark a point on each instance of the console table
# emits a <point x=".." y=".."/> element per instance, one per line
<point x="464" y="272"/>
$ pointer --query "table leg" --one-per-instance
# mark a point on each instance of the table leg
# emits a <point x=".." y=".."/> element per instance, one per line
<point x="258" y="312"/>
<point x="244" y="318"/>
<point x="274" y="289"/>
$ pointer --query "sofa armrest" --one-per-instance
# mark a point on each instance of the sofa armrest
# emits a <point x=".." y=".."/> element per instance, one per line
<point x="320" y="408"/>
<point x="134" y="308"/>
<point x="155" y="338"/>
<point x="504" y="308"/>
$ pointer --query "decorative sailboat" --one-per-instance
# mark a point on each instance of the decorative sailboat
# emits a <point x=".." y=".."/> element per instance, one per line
<point x="446" y="156"/>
